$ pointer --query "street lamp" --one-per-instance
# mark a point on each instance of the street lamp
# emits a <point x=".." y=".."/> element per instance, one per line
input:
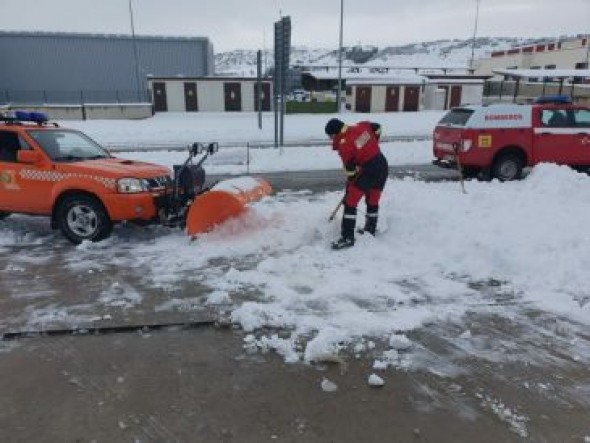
<point x="474" y="35"/>
<point x="137" y="76"/>
<point x="339" y="91"/>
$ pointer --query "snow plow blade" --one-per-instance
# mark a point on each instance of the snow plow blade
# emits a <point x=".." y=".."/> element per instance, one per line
<point x="227" y="199"/>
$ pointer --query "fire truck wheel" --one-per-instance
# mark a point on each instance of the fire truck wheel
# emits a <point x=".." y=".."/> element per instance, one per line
<point x="508" y="167"/>
<point x="3" y="215"/>
<point x="82" y="217"/>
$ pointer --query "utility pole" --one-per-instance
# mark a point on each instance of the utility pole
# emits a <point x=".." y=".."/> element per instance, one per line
<point x="474" y="36"/>
<point x="135" y="55"/>
<point x="339" y="91"/>
<point x="587" y="50"/>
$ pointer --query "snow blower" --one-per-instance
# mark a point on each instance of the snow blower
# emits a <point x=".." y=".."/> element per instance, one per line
<point x="200" y="209"/>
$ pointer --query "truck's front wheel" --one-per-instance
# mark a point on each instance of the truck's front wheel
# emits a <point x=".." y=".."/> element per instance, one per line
<point x="82" y="217"/>
<point x="3" y="215"/>
<point x="508" y="167"/>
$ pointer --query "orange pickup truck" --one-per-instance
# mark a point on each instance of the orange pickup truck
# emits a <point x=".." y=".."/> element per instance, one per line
<point x="62" y="173"/>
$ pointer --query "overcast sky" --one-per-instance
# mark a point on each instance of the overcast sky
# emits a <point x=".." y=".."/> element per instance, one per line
<point x="248" y="24"/>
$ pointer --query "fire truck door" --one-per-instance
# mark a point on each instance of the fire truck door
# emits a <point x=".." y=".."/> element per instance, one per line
<point x="556" y="139"/>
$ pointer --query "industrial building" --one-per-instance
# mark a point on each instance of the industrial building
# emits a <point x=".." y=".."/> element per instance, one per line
<point x="41" y="67"/>
<point x="559" y="67"/>
<point x="566" y="54"/>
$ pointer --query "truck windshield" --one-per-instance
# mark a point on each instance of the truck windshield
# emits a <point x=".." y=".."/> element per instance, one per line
<point x="456" y="117"/>
<point x="62" y="145"/>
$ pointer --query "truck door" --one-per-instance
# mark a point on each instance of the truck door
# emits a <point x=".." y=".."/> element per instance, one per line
<point x="556" y="139"/>
<point x="12" y="188"/>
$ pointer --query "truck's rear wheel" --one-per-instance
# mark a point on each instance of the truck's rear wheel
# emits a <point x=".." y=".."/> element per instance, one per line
<point x="82" y="217"/>
<point x="3" y="215"/>
<point x="508" y="167"/>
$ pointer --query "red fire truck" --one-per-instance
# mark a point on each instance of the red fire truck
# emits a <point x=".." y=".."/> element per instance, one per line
<point x="498" y="141"/>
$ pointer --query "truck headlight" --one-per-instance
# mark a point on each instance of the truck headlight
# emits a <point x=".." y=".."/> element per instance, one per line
<point x="131" y="185"/>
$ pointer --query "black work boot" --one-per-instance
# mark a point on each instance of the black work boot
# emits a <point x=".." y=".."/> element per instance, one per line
<point x="343" y="243"/>
<point x="371" y="218"/>
<point x="348" y="224"/>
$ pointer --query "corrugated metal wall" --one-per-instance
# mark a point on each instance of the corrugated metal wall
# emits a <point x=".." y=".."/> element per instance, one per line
<point x="66" y="68"/>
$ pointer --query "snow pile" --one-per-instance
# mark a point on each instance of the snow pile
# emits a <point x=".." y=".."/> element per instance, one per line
<point x="274" y="270"/>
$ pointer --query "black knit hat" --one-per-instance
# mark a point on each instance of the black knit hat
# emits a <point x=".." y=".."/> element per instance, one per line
<point x="334" y="126"/>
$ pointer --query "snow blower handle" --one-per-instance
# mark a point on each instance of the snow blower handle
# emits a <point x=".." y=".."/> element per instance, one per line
<point x="199" y="148"/>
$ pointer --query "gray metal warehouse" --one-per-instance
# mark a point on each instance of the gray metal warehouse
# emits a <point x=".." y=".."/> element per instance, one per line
<point x="51" y="68"/>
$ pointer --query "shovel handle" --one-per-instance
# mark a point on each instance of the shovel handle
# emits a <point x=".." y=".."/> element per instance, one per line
<point x="335" y="211"/>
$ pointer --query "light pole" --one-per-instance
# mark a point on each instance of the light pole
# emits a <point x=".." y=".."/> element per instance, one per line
<point x="587" y="50"/>
<point x="135" y="56"/>
<point x="339" y="91"/>
<point x="474" y="35"/>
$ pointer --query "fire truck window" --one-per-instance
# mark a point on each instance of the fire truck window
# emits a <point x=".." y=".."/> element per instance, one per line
<point x="9" y="146"/>
<point x="558" y="119"/>
<point x="582" y="118"/>
<point x="457" y="117"/>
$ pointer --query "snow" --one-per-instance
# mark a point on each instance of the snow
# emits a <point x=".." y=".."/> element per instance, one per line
<point x="171" y="128"/>
<point x="436" y="246"/>
<point x="375" y="380"/>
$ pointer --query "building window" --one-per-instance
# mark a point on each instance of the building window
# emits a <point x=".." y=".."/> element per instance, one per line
<point x="534" y="79"/>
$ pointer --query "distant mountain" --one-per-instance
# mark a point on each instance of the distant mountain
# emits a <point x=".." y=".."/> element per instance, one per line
<point x="440" y="53"/>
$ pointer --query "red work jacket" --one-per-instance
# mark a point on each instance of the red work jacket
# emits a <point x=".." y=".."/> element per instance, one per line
<point x="356" y="144"/>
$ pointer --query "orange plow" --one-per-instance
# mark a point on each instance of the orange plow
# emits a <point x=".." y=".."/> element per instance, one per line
<point x="227" y="199"/>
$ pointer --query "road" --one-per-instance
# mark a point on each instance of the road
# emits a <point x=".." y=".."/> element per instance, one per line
<point x="330" y="180"/>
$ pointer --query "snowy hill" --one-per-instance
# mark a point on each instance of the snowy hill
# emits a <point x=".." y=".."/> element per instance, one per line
<point x="440" y="53"/>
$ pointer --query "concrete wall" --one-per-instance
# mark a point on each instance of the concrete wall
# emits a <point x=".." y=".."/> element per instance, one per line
<point x="175" y="96"/>
<point x="211" y="96"/>
<point x="472" y="95"/>
<point x="248" y="97"/>
<point x="434" y="98"/>
<point x="93" y="112"/>
<point x="378" y="98"/>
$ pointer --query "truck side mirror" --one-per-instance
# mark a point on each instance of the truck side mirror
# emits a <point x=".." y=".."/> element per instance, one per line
<point x="28" y="157"/>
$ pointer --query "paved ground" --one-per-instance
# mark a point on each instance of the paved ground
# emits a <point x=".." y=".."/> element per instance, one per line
<point x="200" y="386"/>
<point x="522" y="377"/>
